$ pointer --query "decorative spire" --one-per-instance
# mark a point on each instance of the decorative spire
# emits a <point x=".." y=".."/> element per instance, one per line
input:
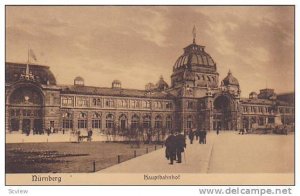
<point x="229" y="72"/>
<point x="194" y="35"/>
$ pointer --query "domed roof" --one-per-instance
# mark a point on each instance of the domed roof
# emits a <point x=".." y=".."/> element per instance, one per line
<point x="230" y="80"/>
<point x="42" y="73"/>
<point x="194" y="55"/>
<point x="78" y="78"/>
<point x="116" y="81"/>
<point x="161" y="84"/>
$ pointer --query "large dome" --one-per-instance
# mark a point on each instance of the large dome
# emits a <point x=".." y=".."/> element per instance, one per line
<point x="194" y="56"/>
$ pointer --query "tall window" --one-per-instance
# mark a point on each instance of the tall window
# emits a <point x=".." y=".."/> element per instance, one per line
<point x="146" y="121"/>
<point x="109" y="121"/>
<point x="96" y="121"/>
<point x="135" y="121"/>
<point x="67" y="122"/>
<point x="169" y="122"/>
<point x="146" y="104"/>
<point x="169" y="105"/>
<point x="96" y="102"/>
<point x="82" y="101"/>
<point x="158" y="122"/>
<point x="189" y="122"/>
<point x="109" y="103"/>
<point x="82" y="122"/>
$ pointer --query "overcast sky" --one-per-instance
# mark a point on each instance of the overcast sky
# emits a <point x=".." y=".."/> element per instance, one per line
<point x="138" y="44"/>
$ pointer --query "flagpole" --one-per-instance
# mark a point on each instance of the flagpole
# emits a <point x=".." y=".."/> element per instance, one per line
<point x="27" y="66"/>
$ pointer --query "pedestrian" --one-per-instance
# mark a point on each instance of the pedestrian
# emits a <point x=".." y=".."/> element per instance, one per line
<point x="90" y="134"/>
<point x="200" y="136"/>
<point x="197" y="134"/>
<point x="204" y="136"/>
<point x="218" y="130"/>
<point x="180" y="145"/>
<point x="191" y="136"/>
<point x="170" y="144"/>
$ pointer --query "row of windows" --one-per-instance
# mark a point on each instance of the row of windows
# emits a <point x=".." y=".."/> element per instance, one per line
<point x="109" y="123"/>
<point x="25" y="112"/>
<point x="68" y="101"/>
<point x="256" y="109"/>
<point x="261" y="109"/>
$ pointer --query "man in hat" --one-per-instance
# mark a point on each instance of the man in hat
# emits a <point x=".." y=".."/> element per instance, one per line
<point x="180" y="145"/>
<point x="170" y="144"/>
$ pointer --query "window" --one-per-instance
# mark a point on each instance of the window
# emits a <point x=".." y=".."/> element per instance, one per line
<point x="82" y="124"/>
<point x="169" y="105"/>
<point x="147" y="122"/>
<point x="109" y="103"/>
<point x="146" y="104"/>
<point x="122" y="103"/>
<point x="134" y="104"/>
<point x="169" y="122"/>
<point x="109" y="121"/>
<point x="26" y="112"/>
<point x="96" y="124"/>
<point x="96" y="102"/>
<point x="158" y="122"/>
<point x="96" y="121"/>
<point x="261" y="121"/>
<point x="67" y="101"/>
<point x="134" y="121"/>
<point x="82" y="101"/>
<point x="189" y="122"/>
<point x="67" y="124"/>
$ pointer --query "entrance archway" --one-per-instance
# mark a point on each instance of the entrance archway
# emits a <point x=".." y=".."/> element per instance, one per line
<point x="25" y="105"/>
<point x="222" y="117"/>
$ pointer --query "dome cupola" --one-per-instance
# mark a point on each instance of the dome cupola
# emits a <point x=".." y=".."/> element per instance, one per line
<point x="230" y="80"/>
<point x="161" y="84"/>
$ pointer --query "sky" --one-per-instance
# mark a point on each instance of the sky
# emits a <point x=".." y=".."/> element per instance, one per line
<point x="138" y="44"/>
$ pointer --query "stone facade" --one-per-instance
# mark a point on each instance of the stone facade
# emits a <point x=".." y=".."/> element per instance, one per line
<point x="193" y="100"/>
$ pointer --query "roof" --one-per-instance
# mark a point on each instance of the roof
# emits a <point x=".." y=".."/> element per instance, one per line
<point x="230" y="80"/>
<point x="194" y="55"/>
<point x="105" y="91"/>
<point x="41" y="73"/>
<point x="263" y="102"/>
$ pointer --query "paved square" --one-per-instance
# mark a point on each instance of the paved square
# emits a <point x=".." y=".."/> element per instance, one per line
<point x="227" y="152"/>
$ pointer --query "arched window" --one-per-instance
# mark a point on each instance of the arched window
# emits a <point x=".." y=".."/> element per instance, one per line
<point x="96" y="121"/>
<point x="123" y="121"/>
<point x="135" y="121"/>
<point x="109" y="121"/>
<point x="169" y="122"/>
<point x="146" y="121"/>
<point x="158" y="122"/>
<point x="67" y="121"/>
<point x="82" y="121"/>
<point x="96" y="102"/>
<point x="189" y="122"/>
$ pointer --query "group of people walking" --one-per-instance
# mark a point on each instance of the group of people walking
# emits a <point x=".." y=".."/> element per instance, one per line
<point x="200" y="135"/>
<point x="175" y="145"/>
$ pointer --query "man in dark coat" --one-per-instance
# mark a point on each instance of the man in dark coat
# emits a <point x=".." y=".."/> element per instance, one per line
<point x="170" y="144"/>
<point x="180" y="145"/>
<point x="191" y="135"/>
<point x="204" y="136"/>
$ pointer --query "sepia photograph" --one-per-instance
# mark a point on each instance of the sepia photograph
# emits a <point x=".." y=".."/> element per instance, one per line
<point x="149" y="95"/>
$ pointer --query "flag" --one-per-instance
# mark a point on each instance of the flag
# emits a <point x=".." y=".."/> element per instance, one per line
<point x="32" y="55"/>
